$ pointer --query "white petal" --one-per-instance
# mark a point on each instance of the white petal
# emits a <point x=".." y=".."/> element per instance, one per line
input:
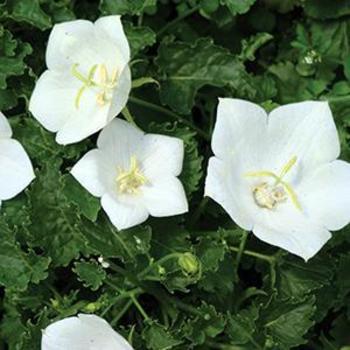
<point x="95" y="172"/>
<point x="81" y="42"/>
<point x="225" y="183"/>
<point x="5" y="128"/>
<point x="53" y="99"/>
<point x="121" y="93"/>
<point x="305" y="130"/>
<point x="16" y="171"/>
<point x="82" y="333"/>
<point x="290" y="229"/>
<point x="161" y="155"/>
<point x="240" y="127"/>
<point x="124" y="213"/>
<point x="325" y="195"/>
<point x="64" y="42"/>
<point x="112" y="27"/>
<point x="165" y="197"/>
<point x="120" y="140"/>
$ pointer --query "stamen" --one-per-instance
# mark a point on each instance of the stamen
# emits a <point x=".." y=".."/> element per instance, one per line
<point x="265" y="195"/>
<point x="130" y="181"/>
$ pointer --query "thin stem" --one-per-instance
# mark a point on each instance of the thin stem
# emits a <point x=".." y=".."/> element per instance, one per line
<point x="128" y="116"/>
<point x="270" y="259"/>
<point x="139" y="307"/>
<point x="170" y="114"/>
<point x="241" y="249"/>
<point x="158" y="262"/>
<point x="177" y="20"/>
<point x="122" y="312"/>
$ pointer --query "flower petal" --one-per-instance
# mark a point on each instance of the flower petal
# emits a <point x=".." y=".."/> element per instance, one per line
<point x="112" y="27"/>
<point x="120" y="94"/>
<point x="124" y="213"/>
<point x="305" y="130"/>
<point x="81" y="333"/>
<point x="225" y="184"/>
<point x="165" y="197"/>
<point x="240" y="127"/>
<point x="16" y="171"/>
<point x="325" y="195"/>
<point x="64" y="41"/>
<point x="290" y="229"/>
<point x="5" y="128"/>
<point x="53" y="99"/>
<point x="160" y="154"/>
<point x="120" y="140"/>
<point x="94" y="172"/>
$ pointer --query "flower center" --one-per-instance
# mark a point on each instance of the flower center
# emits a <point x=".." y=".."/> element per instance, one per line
<point x="129" y="181"/>
<point x="99" y="79"/>
<point x="270" y="195"/>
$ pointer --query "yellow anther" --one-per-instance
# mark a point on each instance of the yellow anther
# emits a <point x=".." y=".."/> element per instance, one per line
<point x="130" y="181"/>
<point x="268" y="196"/>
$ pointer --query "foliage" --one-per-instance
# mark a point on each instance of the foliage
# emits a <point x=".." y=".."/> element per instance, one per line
<point x="59" y="253"/>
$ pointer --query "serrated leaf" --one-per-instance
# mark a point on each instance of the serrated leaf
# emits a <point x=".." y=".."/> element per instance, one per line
<point x="90" y="273"/>
<point x="196" y="65"/>
<point x="88" y="205"/>
<point x="121" y="7"/>
<point x="238" y="6"/>
<point x="139" y="38"/>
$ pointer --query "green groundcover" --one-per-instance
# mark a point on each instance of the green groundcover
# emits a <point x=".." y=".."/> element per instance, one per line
<point x="192" y="281"/>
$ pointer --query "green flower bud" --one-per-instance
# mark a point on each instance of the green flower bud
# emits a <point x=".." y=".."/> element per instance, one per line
<point x="189" y="264"/>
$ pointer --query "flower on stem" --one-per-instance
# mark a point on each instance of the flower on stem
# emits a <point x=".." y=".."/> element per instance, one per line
<point x="81" y="333"/>
<point x="278" y="174"/>
<point x="88" y="78"/>
<point x="16" y="170"/>
<point x="135" y="174"/>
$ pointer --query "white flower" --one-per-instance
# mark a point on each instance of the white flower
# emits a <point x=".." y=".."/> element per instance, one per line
<point x="277" y="174"/>
<point x="85" y="332"/>
<point x="16" y="171"/>
<point x="88" y="78"/>
<point x="135" y="174"/>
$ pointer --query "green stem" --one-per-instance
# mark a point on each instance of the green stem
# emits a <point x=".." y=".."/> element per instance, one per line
<point x="270" y="259"/>
<point x="178" y="19"/>
<point x="139" y="307"/>
<point x="170" y="114"/>
<point x="338" y="99"/>
<point x="128" y="116"/>
<point x="241" y="249"/>
<point x="121" y="313"/>
<point x="159" y="262"/>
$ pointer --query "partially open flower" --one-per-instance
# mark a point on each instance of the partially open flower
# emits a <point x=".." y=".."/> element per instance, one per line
<point x="16" y="171"/>
<point x="277" y="174"/>
<point x="88" y="78"/>
<point x="135" y="174"/>
<point x="84" y="332"/>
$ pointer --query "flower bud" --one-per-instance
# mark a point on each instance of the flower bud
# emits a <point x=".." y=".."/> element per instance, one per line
<point x="189" y="264"/>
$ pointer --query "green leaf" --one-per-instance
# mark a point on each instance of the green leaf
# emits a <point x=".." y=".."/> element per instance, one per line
<point x="238" y="6"/>
<point x="88" y="205"/>
<point x="286" y="323"/>
<point x="252" y="45"/>
<point x="12" y="54"/>
<point x="17" y="268"/>
<point x="158" y="337"/>
<point x="90" y="273"/>
<point x="196" y="65"/>
<point x="326" y="9"/>
<point x="29" y="11"/>
<point x="139" y="38"/>
<point x="122" y="7"/>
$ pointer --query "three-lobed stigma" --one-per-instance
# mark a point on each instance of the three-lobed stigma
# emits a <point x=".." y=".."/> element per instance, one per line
<point x="98" y="79"/>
